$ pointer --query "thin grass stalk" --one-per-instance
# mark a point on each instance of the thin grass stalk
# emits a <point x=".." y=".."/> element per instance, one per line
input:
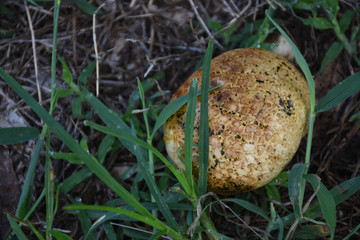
<point x="148" y="138"/>
<point x="309" y="139"/>
<point x="49" y="192"/>
<point x="16" y="228"/>
<point x="25" y="197"/>
<point x="35" y="231"/>
<point x="54" y="44"/>
<point x="32" y="209"/>
<point x="49" y="198"/>
<point x="204" y="122"/>
<point x="189" y="131"/>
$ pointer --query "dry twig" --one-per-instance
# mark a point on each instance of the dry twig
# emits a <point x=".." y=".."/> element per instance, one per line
<point x="34" y="51"/>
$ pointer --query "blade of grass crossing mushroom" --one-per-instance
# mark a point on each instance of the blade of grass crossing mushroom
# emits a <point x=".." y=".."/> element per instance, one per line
<point x="171" y="108"/>
<point x="310" y="80"/>
<point x="189" y="130"/>
<point x="204" y="122"/>
<point x="327" y="203"/>
<point x="301" y="61"/>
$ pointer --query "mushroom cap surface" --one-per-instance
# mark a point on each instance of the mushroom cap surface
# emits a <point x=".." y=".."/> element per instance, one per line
<point x="256" y="119"/>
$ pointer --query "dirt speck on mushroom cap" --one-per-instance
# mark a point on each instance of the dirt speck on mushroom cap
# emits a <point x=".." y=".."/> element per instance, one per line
<point x="256" y="119"/>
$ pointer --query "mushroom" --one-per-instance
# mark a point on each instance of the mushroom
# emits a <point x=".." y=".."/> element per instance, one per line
<point x="256" y="119"/>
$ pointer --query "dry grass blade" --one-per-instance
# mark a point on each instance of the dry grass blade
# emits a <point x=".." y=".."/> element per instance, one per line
<point x="34" y="52"/>
<point x="96" y="51"/>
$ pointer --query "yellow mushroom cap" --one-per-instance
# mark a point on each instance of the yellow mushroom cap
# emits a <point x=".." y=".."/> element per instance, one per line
<point x="256" y="119"/>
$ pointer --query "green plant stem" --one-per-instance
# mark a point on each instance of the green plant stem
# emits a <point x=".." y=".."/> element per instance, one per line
<point x="49" y="193"/>
<point x="53" y="56"/>
<point x="309" y="139"/>
<point x="148" y="140"/>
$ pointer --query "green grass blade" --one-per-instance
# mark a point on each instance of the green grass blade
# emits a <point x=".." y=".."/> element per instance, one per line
<point x="35" y="231"/>
<point x="332" y="53"/>
<point x="109" y="117"/>
<point x="346" y="19"/>
<point x="346" y="190"/>
<point x="70" y="157"/>
<point x="339" y="193"/>
<point x="60" y="235"/>
<point x="35" y="205"/>
<point x="296" y="187"/>
<point x="281" y="227"/>
<point x="105" y="147"/>
<point x="49" y="189"/>
<point x="89" y="160"/>
<point x="26" y="193"/>
<point x="171" y="108"/>
<point x="87" y="7"/>
<point x="14" y="135"/>
<point x="154" y="190"/>
<point x="75" y="179"/>
<point x="204" y="122"/>
<point x="16" y="228"/>
<point x="352" y="232"/>
<point x="66" y="76"/>
<point x="123" y="135"/>
<point x="109" y="230"/>
<point x="85" y="74"/>
<point x="219" y="235"/>
<point x="340" y="93"/>
<point x="301" y="61"/>
<point x="189" y="129"/>
<point x="159" y="225"/>
<point x="327" y="203"/>
<point x="85" y="224"/>
<point x="248" y="206"/>
<point x="156" y="236"/>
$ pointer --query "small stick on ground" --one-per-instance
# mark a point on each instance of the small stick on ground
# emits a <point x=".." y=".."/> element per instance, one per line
<point x="96" y="50"/>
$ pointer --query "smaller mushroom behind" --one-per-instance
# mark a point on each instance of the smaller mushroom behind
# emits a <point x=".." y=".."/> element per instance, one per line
<point x="256" y="119"/>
